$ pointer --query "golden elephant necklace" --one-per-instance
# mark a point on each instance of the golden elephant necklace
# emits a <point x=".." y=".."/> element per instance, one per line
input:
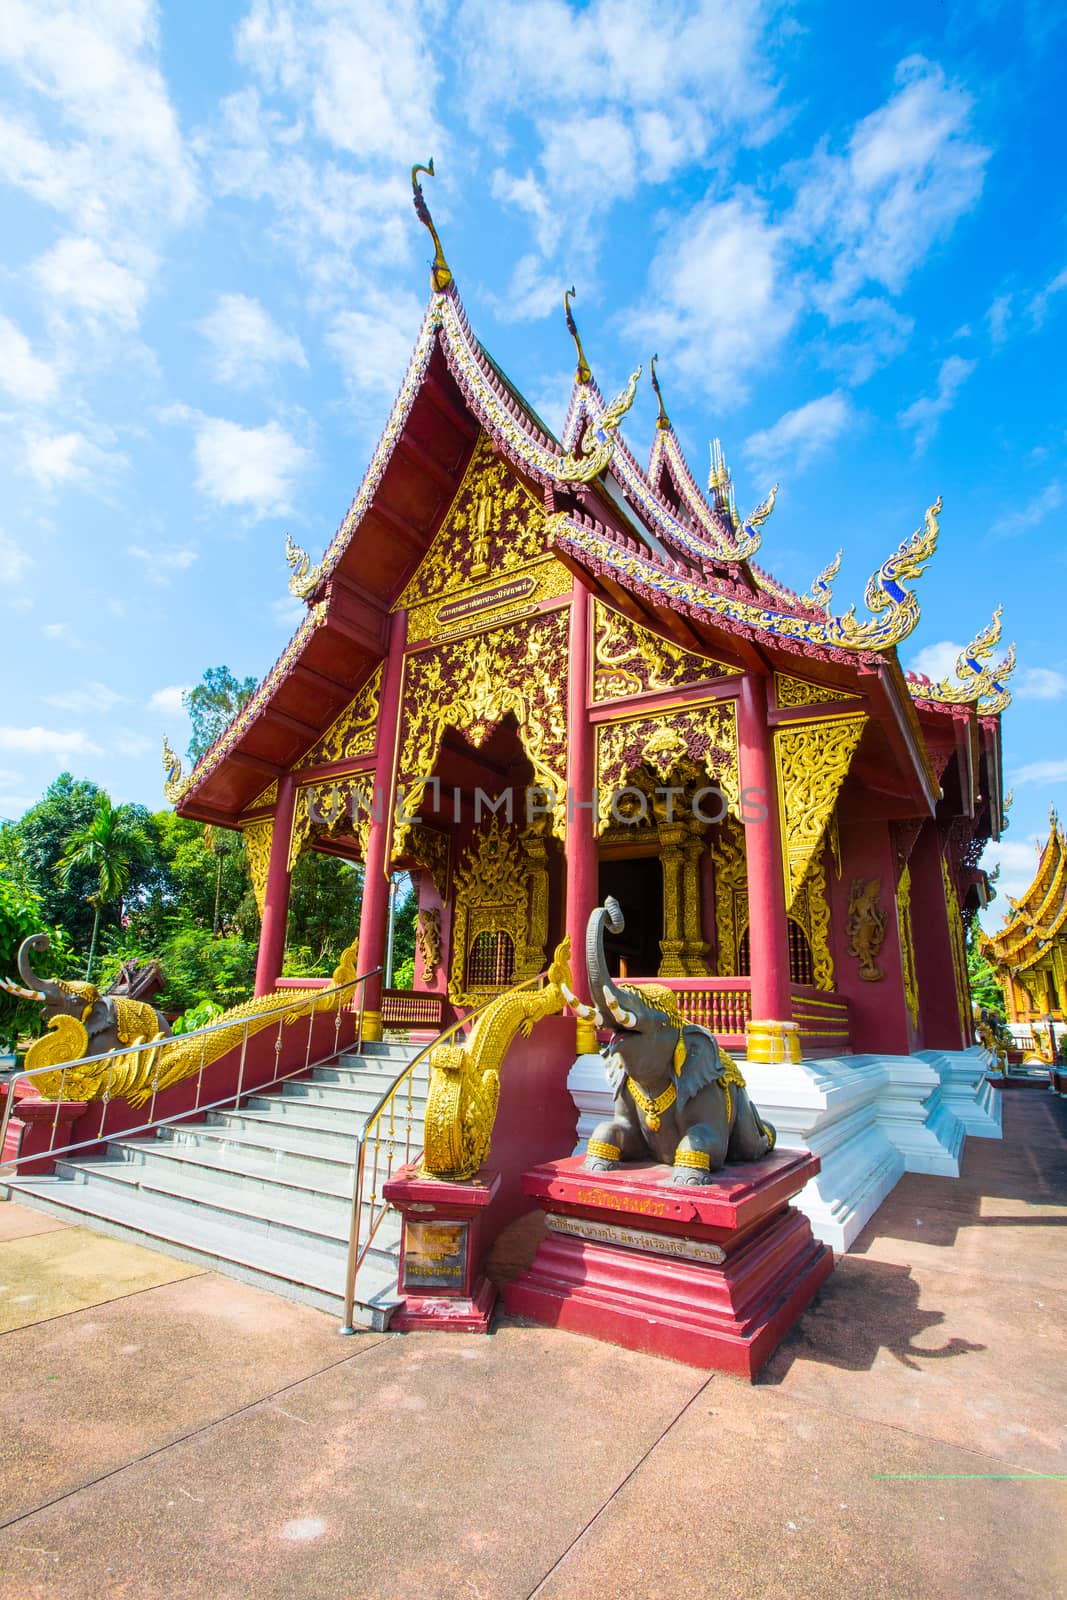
<point x="653" y="1109"/>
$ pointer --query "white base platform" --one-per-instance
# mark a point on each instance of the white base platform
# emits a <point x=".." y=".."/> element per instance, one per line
<point x="967" y="1089"/>
<point x="870" y="1119"/>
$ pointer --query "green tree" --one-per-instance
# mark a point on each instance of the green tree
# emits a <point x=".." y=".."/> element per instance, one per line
<point x="38" y="840"/>
<point x="325" y="899"/>
<point x="213" y="704"/>
<point x="985" y="990"/>
<point x="107" y="848"/>
<point x="20" y="916"/>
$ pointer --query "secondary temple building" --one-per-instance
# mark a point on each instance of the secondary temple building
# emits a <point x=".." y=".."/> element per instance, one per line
<point x="1029" y="953"/>
<point x="533" y="672"/>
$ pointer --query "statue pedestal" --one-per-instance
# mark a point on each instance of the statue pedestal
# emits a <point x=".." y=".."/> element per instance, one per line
<point x="440" y="1254"/>
<point x="713" y="1276"/>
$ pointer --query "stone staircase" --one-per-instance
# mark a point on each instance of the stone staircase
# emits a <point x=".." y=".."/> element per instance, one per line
<point x="262" y="1193"/>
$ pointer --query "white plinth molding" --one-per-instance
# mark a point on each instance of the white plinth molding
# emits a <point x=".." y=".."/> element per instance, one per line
<point x="869" y="1118"/>
<point x="967" y="1089"/>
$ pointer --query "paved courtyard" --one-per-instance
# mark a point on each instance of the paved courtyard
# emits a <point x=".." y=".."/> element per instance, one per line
<point x="167" y="1432"/>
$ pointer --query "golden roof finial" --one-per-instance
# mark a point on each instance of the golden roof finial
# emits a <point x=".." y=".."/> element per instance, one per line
<point x="440" y="273"/>
<point x="663" y="422"/>
<point x="583" y="373"/>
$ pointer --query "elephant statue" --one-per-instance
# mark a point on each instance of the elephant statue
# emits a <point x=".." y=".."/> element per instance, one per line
<point x="677" y="1097"/>
<point x="82" y="1019"/>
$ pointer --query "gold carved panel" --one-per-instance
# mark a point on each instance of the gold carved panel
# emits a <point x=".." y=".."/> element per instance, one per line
<point x="257" y="837"/>
<point x="812" y="761"/>
<point x="685" y="742"/>
<point x="629" y="659"/>
<point x="790" y="691"/>
<point x="352" y="733"/>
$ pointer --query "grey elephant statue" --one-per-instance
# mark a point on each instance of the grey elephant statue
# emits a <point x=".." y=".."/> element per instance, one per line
<point x="677" y="1097"/>
<point x="81" y="1018"/>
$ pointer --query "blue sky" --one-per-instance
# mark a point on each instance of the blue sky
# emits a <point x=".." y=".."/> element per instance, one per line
<point x="842" y="227"/>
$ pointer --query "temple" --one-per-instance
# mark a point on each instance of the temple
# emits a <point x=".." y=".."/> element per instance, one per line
<point x="1029" y="953"/>
<point x="533" y="672"/>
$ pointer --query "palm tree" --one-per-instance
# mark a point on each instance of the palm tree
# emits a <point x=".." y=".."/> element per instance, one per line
<point x="110" y="845"/>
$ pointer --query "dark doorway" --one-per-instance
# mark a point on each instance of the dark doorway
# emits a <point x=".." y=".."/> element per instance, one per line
<point x="637" y="885"/>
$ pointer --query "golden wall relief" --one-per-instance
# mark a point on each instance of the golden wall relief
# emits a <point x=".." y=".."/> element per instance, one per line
<point x="690" y="742"/>
<point x="257" y="837"/>
<point x="471" y="685"/>
<point x="810" y="909"/>
<point x="351" y="734"/>
<point x="430" y="849"/>
<point x="630" y="659"/>
<point x="428" y="942"/>
<point x="865" y="927"/>
<point x="907" y="946"/>
<point x="491" y="556"/>
<point x="790" y="691"/>
<point x="492" y="941"/>
<point x="959" y="950"/>
<point x="337" y="808"/>
<point x="268" y="797"/>
<point x="812" y="761"/>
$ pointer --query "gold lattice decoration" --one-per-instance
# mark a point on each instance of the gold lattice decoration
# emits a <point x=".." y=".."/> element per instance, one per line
<point x="337" y="807"/>
<point x="491" y="896"/>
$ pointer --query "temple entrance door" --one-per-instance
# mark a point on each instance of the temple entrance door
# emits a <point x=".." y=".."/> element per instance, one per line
<point x="637" y="884"/>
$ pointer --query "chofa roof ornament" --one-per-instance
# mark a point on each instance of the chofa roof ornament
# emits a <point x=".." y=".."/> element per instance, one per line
<point x="821" y="593"/>
<point x="979" y="683"/>
<point x="304" y="577"/>
<point x="596" y="445"/>
<point x="440" y="272"/>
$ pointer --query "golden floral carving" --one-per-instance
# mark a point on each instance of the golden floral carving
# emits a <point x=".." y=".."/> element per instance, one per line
<point x="812" y="760"/>
<point x="731" y="893"/>
<point x="351" y="734"/>
<point x="428" y="941"/>
<point x="699" y="739"/>
<point x="430" y="848"/>
<point x="341" y="806"/>
<point x="959" y="950"/>
<point x="257" y="837"/>
<point x="630" y="659"/>
<point x="790" y="691"/>
<point x="907" y="946"/>
<point x="491" y="895"/>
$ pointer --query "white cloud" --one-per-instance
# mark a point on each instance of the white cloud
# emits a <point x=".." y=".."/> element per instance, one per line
<point x="246" y="342"/>
<point x="161" y="562"/>
<point x="55" y="459"/>
<point x="1041" y="683"/>
<point x="77" y="273"/>
<point x="1032" y="513"/>
<point x="997" y="318"/>
<point x="1040" y="304"/>
<point x="287" y="611"/>
<point x="25" y="376"/>
<point x="91" y="698"/>
<point x="719" y="300"/>
<point x="47" y="741"/>
<point x="54" y="630"/>
<point x="937" y="661"/>
<point x="14" y="561"/>
<point x="170" y="699"/>
<point x="910" y="171"/>
<point x="799" y="436"/>
<point x="923" y="415"/>
<point x="253" y="467"/>
<point x="373" y="345"/>
<point x="132" y="744"/>
<point x="1053" y="771"/>
<point x="1017" y="860"/>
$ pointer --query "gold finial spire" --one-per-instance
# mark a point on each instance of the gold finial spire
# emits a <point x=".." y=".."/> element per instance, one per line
<point x="663" y="421"/>
<point x="583" y="373"/>
<point x="440" y="273"/>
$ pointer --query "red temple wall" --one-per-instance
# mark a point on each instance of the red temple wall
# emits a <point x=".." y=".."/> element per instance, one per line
<point x="939" y="1023"/>
<point x="878" y="1013"/>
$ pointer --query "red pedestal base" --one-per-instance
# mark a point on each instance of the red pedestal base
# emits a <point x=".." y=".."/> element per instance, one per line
<point x="440" y="1254"/>
<point x="712" y="1276"/>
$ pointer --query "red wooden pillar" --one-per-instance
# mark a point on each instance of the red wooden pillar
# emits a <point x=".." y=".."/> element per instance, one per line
<point x="767" y="930"/>
<point x="276" y="896"/>
<point x="939" y="1011"/>
<point x="374" y="916"/>
<point x="582" y="894"/>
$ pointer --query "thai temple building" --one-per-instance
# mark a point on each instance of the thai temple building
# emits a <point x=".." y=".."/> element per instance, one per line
<point x="1029" y="953"/>
<point x="542" y="675"/>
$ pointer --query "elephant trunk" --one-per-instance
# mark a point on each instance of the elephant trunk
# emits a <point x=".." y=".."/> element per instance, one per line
<point x="44" y="988"/>
<point x="627" y="1010"/>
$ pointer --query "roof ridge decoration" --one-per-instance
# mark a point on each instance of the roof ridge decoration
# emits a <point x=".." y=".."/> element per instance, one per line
<point x="749" y="531"/>
<point x="304" y="577"/>
<point x="820" y="595"/>
<point x="895" y="609"/>
<point x="440" y="272"/>
<point x="979" y="683"/>
<point x="583" y="372"/>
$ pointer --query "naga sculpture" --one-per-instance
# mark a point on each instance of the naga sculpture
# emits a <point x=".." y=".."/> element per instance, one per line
<point x="84" y="1025"/>
<point x="464" y="1084"/>
<point x="678" y="1098"/>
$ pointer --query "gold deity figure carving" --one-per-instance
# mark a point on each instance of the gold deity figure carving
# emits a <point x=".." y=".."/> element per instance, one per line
<point x="483" y="521"/>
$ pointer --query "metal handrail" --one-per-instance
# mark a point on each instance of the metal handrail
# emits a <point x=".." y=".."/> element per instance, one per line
<point x="357" y="1256"/>
<point x="124" y="1052"/>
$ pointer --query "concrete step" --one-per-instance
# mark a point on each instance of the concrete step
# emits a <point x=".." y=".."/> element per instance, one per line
<point x="246" y="1170"/>
<point x="349" y="1096"/>
<point x="283" y="1261"/>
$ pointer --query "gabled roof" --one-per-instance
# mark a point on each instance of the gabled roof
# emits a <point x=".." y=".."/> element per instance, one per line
<point x="1040" y="916"/>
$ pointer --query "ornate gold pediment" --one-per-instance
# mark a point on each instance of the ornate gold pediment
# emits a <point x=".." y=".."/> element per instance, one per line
<point x="630" y="659"/>
<point x="812" y="760"/>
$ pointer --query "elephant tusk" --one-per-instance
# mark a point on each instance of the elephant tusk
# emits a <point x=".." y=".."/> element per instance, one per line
<point x="625" y="1019"/>
<point x="19" y="991"/>
<point x="580" y="1008"/>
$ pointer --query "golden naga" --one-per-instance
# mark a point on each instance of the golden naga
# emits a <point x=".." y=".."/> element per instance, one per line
<point x="304" y="576"/>
<point x="979" y="683"/>
<point x="175" y="781"/>
<point x="440" y="272"/>
<point x="135" y="1074"/>
<point x="464" y="1085"/>
<point x="895" y="610"/>
<point x="821" y="594"/>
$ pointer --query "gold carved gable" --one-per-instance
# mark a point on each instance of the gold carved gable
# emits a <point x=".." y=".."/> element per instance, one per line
<point x="789" y="692"/>
<point x="257" y="837"/>
<point x="491" y="556"/>
<point x="352" y="733"/>
<point x="812" y="760"/>
<point x="630" y="659"/>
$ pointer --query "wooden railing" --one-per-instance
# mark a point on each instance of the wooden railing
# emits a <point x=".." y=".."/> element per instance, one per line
<point x="723" y="1005"/>
<point x="412" y="1008"/>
